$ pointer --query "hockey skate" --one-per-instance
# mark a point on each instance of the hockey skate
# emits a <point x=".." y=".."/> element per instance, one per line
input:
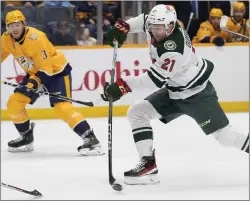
<point x="144" y="173"/>
<point x="24" y="143"/>
<point x="91" y="146"/>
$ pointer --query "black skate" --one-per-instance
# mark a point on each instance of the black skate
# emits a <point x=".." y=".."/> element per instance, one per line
<point x="91" y="146"/>
<point x="24" y="143"/>
<point x="144" y="173"/>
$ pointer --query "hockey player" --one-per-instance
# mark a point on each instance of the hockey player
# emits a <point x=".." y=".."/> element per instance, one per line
<point x="184" y="88"/>
<point x="44" y="66"/>
<point x="237" y="23"/>
<point x="210" y="32"/>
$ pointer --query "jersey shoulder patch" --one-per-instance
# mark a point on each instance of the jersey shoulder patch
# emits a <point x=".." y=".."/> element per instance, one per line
<point x="173" y="43"/>
<point x="33" y="36"/>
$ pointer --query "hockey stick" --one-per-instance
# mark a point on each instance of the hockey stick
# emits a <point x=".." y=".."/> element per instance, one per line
<point x="189" y="21"/>
<point x="34" y="192"/>
<point x="115" y="186"/>
<point x="223" y="26"/>
<point x="54" y="95"/>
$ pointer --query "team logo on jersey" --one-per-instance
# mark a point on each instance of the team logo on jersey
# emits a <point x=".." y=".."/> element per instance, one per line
<point x="170" y="45"/>
<point x="25" y="62"/>
<point x="33" y="37"/>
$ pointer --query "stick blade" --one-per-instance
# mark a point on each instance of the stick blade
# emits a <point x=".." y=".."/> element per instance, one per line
<point x="223" y="21"/>
<point x="36" y="193"/>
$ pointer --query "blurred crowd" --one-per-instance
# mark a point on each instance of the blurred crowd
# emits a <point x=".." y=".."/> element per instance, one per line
<point x="75" y="22"/>
<point x="205" y="25"/>
<point x="64" y="22"/>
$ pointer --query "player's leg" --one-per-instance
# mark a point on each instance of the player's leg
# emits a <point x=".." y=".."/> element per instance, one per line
<point x="67" y="112"/>
<point x="140" y="115"/>
<point x="18" y="114"/>
<point x="207" y="112"/>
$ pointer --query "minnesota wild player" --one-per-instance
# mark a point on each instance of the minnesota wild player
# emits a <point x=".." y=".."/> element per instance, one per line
<point x="184" y="88"/>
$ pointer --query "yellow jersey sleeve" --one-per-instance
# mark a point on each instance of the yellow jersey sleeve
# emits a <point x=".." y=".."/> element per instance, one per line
<point x="205" y="30"/>
<point x="45" y="56"/>
<point x="4" y="44"/>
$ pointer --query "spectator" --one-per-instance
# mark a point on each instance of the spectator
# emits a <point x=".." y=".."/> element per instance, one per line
<point x="86" y="39"/>
<point x="17" y="3"/>
<point x="210" y="32"/>
<point x="237" y="23"/>
<point x="86" y="19"/>
<point x="62" y="37"/>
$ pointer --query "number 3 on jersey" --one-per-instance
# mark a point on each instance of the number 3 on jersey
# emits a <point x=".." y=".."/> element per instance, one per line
<point x="44" y="53"/>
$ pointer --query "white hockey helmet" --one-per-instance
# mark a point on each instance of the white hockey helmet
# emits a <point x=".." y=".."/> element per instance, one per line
<point x="162" y="14"/>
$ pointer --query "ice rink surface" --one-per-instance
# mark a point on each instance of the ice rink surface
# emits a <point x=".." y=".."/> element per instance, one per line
<point x="191" y="165"/>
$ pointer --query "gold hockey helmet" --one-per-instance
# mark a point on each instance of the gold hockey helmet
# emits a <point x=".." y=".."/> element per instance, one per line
<point x="239" y="6"/>
<point x="14" y="16"/>
<point x="216" y="12"/>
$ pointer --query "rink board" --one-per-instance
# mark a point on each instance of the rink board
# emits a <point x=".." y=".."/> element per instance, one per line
<point x="91" y="68"/>
<point x="47" y="113"/>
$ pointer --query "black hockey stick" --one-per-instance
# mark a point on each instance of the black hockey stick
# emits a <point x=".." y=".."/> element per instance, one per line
<point x="34" y="192"/>
<point x="54" y="95"/>
<point x="115" y="186"/>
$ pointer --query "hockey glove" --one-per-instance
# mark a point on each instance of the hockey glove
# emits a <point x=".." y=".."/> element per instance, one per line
<point x="33" y="82"/>
<point x="115" y="90"/>
<point x="118" y="32"/>
<point x="218" y="41"/>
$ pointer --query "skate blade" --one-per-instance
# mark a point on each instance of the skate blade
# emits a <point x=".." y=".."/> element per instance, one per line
<point x="25" y="148"/>
<point x="142" y="180"/>
<point x="97" y="151"/>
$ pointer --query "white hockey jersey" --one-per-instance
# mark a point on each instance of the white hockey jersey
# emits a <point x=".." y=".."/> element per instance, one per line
<point x="175" y="64"/>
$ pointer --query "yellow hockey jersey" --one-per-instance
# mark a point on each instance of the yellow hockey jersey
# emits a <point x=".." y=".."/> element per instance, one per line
<point x="242" y="28"/>
<point x="206" y="29"/>
<point x="34" y="52"/>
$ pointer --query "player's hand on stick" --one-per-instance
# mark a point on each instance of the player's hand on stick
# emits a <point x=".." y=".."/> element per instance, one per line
<point x="115" y="90"/>
<point x="118" y="32"/>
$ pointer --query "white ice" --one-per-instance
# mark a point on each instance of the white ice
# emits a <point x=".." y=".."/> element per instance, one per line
<point x="191" y="164"/>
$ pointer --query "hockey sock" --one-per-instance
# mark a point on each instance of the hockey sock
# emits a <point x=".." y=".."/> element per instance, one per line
<point x="23" y="127"/>
<point x="139" y="116"/>
<point x="230" y="138"/>
<point x="82" y="129"/>
<point x="143" y="138"/>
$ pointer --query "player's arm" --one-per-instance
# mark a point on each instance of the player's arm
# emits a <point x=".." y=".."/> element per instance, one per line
<point x="137" y="24"/>
<point x="158" y="74"/>
<point x="204" y="35"/>
<point x="121" y="28"/>
<point x="4" y="51"/>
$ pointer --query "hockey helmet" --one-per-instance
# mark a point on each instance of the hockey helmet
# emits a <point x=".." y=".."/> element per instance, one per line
<point x="216" y="12"/>
<point x="239" y="6"/>
<point x="14" y="16"/>
<point x="162" y="14"/>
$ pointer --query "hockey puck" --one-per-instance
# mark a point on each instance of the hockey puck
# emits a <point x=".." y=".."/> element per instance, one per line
<point x="117" y="187"/>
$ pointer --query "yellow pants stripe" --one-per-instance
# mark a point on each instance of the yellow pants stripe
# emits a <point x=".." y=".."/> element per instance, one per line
<point x="67" y="86"/>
